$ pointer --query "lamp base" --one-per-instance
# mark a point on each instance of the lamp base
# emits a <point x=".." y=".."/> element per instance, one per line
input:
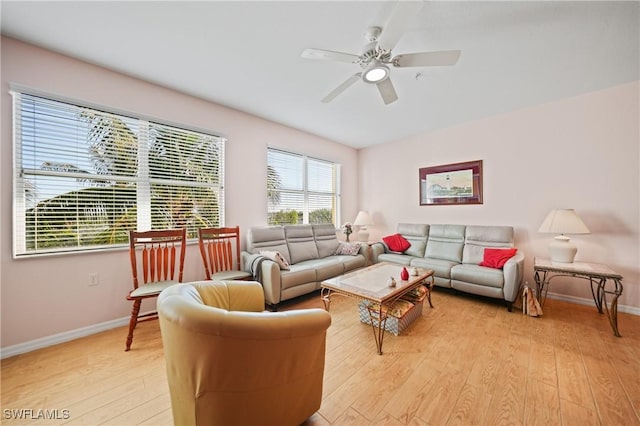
<point x="363" y="235"/>
<point x="562" y="250"/>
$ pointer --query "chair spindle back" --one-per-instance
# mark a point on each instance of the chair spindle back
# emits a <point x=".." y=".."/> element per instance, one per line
<point x="220" y="249"/>
<point x="159" y="252"/>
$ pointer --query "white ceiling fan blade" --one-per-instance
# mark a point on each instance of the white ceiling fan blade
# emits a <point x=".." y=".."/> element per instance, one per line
<point x="398" y="22"/>
<point x="329" y="55"/>
<point x="344" y="86"/>
<point x="427" y="59"/>
<point x="387" y="91"/>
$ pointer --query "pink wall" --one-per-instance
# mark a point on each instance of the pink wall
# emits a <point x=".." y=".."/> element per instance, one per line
<point x="48" y="295"/>
<point x="580" y="153"/>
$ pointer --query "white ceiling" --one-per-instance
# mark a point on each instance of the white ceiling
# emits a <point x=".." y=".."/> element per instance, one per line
<point x="246" y="55"/>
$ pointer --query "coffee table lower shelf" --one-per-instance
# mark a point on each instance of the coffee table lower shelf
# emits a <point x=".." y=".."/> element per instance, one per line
<point x="393" y="325"/>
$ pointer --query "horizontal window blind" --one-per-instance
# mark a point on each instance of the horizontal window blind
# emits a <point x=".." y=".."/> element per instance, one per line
<point x="301" y="189"/>
<point x="84" y="178"/>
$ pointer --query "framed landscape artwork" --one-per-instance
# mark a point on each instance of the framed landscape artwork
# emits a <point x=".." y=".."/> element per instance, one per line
<point x="459" y="183"/>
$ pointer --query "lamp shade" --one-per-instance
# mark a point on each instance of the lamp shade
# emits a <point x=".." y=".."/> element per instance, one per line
<point x="564" y="221"/>
<point x="363" y="220"/>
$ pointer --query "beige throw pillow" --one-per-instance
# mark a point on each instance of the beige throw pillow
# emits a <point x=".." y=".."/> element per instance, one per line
<point x="348" y="249"/>
<point x="276" y="257"/>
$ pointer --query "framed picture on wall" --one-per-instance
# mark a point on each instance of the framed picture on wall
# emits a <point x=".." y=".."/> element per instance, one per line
<point x="459" y="183"/>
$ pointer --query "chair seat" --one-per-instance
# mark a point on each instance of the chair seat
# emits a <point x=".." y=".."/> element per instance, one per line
<point x="152" y="288"/>
<point x="231" y="275"/>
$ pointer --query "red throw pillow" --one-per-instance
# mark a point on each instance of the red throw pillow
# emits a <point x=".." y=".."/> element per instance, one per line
<point x="396" y="242"/>
<point x="496" y="258"/>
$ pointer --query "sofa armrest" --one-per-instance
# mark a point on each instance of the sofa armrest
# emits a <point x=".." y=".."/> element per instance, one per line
<point x="245" y="260"/>
<point x="269" y="275"/>
<point x="376" y="250"/>
<point x="365" y="250"/>
<point x="513" y="274"/>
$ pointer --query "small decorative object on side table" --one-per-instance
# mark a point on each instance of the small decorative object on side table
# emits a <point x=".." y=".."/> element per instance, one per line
<point x="597" y="274"/>
<point x="347" y="229"/>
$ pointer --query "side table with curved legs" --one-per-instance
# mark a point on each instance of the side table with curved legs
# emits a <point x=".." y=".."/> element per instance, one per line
<point x="597" y="274"/>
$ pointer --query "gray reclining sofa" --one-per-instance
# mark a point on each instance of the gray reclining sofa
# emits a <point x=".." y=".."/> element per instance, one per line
<point x="309" y="250"/>
<point x="454" y="252"/>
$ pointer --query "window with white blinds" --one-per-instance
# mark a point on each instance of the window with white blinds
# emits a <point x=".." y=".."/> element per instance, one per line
<point x="84" y="177"/>
<point x="301" y="189"/>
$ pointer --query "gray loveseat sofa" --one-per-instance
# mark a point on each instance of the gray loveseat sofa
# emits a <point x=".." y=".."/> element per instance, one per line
<point x="309" y="250"/>
<point x="454" y="252"/>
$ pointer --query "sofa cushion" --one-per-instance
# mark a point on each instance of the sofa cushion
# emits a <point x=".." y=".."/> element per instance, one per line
<point x="441" y="268"/>
<point x="445" y="242"/>
<point x="396" y="242"/>
<point x="417" y="247"/>
<point x="413" y="229"/>
<point x="477" y="238"/>
<point x="416" y="234"/>
<point x="327" y="267"/>
<point x="352" y="262"/>
<point x="326" y="240"/>
<point x="496" y="258"/>
<point x="301" y="243"/>
<point x="299" y="273"/>
<point x="268" y="238"/>
<point x="479" y="275"/>
<point x="398" y="258"/>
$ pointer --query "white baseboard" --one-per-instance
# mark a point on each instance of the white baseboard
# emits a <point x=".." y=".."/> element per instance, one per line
<point x="584" y="301"/>
<point x="55" y="339"/>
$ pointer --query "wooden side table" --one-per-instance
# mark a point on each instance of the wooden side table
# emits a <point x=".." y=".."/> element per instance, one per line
<point x="598" y="276"/>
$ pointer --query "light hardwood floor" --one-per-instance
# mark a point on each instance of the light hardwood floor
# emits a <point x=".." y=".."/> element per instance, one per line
<point x="468" y="361"/>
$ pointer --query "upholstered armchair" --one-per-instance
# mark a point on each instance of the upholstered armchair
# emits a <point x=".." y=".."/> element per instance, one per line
<point x="229" y="362"/>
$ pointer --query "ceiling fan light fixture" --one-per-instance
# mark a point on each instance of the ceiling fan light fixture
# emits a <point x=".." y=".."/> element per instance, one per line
<point x="375" y="73"/>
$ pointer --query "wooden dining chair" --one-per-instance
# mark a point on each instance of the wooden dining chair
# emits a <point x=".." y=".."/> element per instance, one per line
<point x="158" y="258"/>
<point x="220" y="250"/>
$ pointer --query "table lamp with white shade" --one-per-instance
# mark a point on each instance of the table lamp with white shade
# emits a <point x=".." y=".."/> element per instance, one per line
<point x="363" y="220"/>
<point x="563" y="221"/>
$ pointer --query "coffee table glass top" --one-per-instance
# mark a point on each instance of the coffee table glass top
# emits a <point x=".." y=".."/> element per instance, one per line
<point x="371" y="282"/>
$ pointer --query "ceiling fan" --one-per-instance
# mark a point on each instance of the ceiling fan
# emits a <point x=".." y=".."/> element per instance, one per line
<point x="376" y="58"/>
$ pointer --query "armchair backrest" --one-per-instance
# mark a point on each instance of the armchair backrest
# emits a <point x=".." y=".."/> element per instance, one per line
<point x="221" y="361"/>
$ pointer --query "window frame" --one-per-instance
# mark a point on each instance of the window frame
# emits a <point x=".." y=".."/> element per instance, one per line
<point x="19" y="242"/>
<point x="305" y="191"/>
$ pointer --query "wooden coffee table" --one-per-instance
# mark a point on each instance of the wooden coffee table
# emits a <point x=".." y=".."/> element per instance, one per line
<point x="370" y="284"/>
